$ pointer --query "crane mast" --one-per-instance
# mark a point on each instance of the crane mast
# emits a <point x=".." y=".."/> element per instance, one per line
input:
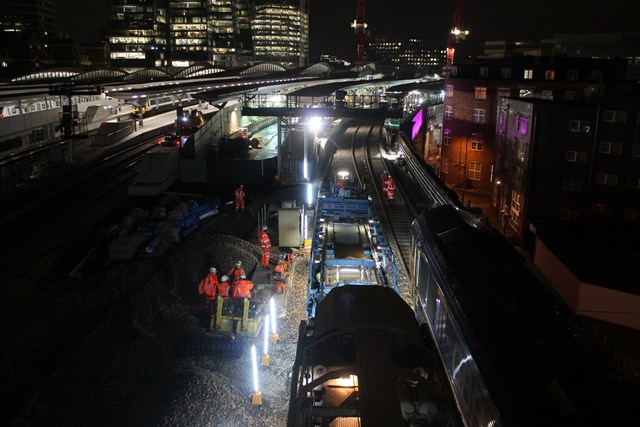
<point x="360" y="28"/>
<point x="457" y="33"/>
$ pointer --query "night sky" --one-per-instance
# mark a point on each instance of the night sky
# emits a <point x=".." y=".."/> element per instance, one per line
<point x="486" y="19"/>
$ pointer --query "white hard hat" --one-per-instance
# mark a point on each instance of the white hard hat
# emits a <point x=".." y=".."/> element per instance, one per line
<point x="242" y="276"/>
<point x="224" y="278"/>
<point x="213" y="270"/>
<point x="264" y="227"/>
<point x="239" y="263"/>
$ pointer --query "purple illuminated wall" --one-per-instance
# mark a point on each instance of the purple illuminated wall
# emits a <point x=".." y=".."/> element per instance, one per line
<point x="417" y="124"/>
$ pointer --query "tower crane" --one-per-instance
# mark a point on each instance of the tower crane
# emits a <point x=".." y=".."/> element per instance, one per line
<point x="457" y="33"/>
<point x="360" y="28"/>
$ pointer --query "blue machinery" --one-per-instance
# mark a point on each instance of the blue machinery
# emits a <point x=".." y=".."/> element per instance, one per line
<point x="349" y="246"/>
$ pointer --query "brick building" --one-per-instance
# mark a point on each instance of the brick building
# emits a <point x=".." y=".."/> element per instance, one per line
<point x="473" y="92"/>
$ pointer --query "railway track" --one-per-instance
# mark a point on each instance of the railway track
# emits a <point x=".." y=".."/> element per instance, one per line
<point x="33" y="226"/>
<point x="370" y="161"/>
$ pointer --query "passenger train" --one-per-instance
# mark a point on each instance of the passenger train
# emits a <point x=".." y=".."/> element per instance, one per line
<point x="514" y="354"/>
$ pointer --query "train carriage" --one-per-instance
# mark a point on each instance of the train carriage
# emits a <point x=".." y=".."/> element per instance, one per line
<point x="515" y="355"/>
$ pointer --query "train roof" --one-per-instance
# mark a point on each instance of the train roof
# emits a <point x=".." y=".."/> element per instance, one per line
<point x="550" y="370"/>
<point x="351" y="307"/>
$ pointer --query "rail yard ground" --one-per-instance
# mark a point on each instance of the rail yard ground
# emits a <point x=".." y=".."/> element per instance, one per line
<point x="115" y="350"/>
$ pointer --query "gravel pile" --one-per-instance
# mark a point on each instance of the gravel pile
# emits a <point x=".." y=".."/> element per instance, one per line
<point x="113" y="354"/>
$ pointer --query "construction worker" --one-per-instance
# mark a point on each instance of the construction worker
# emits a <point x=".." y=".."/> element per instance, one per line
<point x="239" y="194"/>
<point x="391" y="188"/>
<point x="265" y="245"/>
<point x="223" y="287"/>
<point x="278" y="276"/>
<point x="209" y="288"/>
<point x="243" y="288"/>
<point x="236" y="272"/>
<point x="280" y="266"/>
<point x="384" y="177"/>
<point x="288" y="260"/>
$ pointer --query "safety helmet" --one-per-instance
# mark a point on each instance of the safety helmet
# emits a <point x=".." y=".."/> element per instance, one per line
<point x="264" y="227"/>
<point x="224" y="278"/>
<point x="213" y="270"/>
<point x="241" y="186"/>
<point x="242" y="276"/>
<point x="238" y="264"/>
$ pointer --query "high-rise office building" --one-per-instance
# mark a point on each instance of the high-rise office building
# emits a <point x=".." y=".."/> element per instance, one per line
<point x="188" y="35"/>
<point x="138" y="33"/>
<point x="227" y="33"/>
<point x="281" y="31"/>
<point x="18" y="18"/>
<point x="405" y="52"/>
<point x="229" y="30"/>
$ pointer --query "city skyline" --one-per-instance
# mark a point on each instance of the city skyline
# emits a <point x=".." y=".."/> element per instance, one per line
<point x="330" y="31"/>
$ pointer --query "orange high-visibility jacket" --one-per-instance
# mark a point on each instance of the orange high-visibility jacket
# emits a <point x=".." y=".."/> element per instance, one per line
<point x="239" y="193"/>
<point x="223" y="289"/>
<point x="243" y="289"/>
<point x="391" y="184"/>
<point x="265" y="242"/>
<point x="279" y="269"/>
<point x="208" y="286"/>
<point x="235" y="273"/>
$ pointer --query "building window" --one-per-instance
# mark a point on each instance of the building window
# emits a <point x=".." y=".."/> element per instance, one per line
<point x="568" y="214"/>
<point x="611" y="116"/>
<point x="634" y="182"/>
<point x="579" y="126"/>
<point x="504" y="92"/>
<point x="525" y="93"/>
<point x="505" y="73"/>
<point x="569" y="95"/>
<point x="446" y="137"/>
<point x="478" y="115"/>
<point x="601" y="209"/>
<point x="572" y="75"/>
<point x="454" y="71"/>
<point x="481" y="92"/>
<point x="523" y="125"/>
<point x="520" y="146"/>
<point x="475" y="169"/>
<point x="596" y="75"/>
<point x="547" y="94"/>
<point x="610" y="148"/>
<point x="449" y="93"/>
<point x="445" y="164"/>
<point x="631" y="214"/>
<point x="549" y="75"/>
<point x="477" y="141"/>
<point x="605" y="147"/>
<point x="572" y="185"/>
<point x="484" y="72"/>
<point x="606" y="179"/>
<point x="516" y="201"/>
<point x="528" y="74"/>
<point x="576" y="156"/>
<point x="448" y="112"/>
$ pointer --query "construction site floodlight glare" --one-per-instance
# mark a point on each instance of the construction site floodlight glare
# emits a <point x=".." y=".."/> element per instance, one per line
<point x="315" y="124"/>
<point x="266" y="335"/>
<point x="254" y="368"/>
<point x="309" y="194"/>
<point x="272" y="309"/>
